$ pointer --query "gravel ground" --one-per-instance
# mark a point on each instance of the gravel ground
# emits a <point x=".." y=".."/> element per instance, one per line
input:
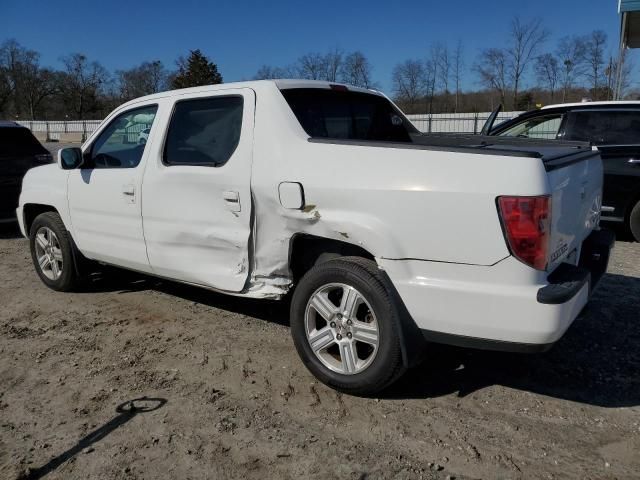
<point x="232" y="399"/>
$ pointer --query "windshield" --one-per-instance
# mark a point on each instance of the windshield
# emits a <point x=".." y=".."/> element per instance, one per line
<point x="543" y="127"/>
<point x="348" y="115"/>
<point x="19" y="142"/>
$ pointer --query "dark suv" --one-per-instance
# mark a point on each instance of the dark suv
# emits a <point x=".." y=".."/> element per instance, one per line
<point x="19" y="151"/>
<point x="614" y="127"/>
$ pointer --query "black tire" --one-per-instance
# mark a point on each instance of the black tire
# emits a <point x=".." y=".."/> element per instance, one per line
<point x="386" y="365"/>
<point x="68" y="279"/>
<point x="634" y="222"/>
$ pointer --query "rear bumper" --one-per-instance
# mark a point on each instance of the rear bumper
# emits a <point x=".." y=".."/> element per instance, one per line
<point x="507" y="306"/>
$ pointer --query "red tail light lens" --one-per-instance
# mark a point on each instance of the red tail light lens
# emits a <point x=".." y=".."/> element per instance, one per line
<point x="527" y="223"/>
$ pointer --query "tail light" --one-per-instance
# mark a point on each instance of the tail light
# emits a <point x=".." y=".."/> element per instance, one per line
<point x="527" y="222"/>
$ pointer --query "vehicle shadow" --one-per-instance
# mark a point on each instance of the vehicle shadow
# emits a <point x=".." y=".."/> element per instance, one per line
<point x="597" y="362"/>
<point x="125" y="412"/>
<point x="9" y="231"/>
<point x="122" y="281"/>
<point x="622" y="233"/>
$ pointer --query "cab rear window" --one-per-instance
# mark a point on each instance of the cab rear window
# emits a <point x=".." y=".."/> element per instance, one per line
<point x="347" y="115"/>
<point x="615" y="127"/>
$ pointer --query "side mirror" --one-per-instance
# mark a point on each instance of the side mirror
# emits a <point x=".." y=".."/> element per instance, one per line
<point x="70" y="158"/>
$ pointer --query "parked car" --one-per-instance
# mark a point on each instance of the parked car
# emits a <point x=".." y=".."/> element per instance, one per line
<point x="388" y="238"/>
<point x="143" y="136"/>
<point x="615" y="128"/>
<point x="19" y="151"/>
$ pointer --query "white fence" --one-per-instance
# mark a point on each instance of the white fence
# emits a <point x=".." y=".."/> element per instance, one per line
<point x="78" y="130"/>
<point x="456" y="122"/>
<point x="75" y="130"/>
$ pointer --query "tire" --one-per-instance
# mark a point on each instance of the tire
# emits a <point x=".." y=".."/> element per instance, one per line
<point x="634" y="222"/>
<point x="357" y="335"/>
<point x="49" y="237"/>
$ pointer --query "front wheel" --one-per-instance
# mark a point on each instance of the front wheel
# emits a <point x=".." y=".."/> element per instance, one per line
<point x="634" y="222"/>
<point x="52" y="252"/>
<point x="344" y="323"/>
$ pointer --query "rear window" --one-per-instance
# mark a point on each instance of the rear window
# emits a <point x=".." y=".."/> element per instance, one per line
<point x="18" y="142"/>
<point x="347" y="115"/>
<point x="617" y="127"/>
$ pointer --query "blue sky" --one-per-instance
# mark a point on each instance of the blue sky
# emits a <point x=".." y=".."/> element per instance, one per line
<point x="240" y="36"/>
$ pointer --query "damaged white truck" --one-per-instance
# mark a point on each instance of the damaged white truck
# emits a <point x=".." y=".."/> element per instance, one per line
<point x="387" y="238"/>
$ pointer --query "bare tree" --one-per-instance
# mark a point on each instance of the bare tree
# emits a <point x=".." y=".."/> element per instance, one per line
<point x="444" y="67"/>
<point x="409" y="82"/>
<point x="492" y="70"/>
<point x="526" y="40"/>
<point x="443" y="71"/>
<point x="595" y="45"/>
<point x="547" y="70"/>
<point x="571" y="56"/>
<point x="333" y="64"/>
<point x="83" y="83"/>
<point x="268" y="72"/>
<point x="356" y="70"/>
<point x="458" y="67"/>
<point x="146" y="78"/>
<point x="623" y="71"/>
<point x="37" y="85"/>
<point x="312" y="66"/>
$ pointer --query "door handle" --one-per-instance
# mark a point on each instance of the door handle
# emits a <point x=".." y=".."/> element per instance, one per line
<point x="129" y="191"/>
<point x="232" y="200"/>
<point x="634" y="161"/>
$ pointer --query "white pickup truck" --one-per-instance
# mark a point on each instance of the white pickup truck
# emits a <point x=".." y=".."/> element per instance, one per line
<point x="388" y="238"/>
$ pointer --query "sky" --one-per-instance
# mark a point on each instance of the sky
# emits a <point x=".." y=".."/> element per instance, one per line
<point x="240" y="36"/>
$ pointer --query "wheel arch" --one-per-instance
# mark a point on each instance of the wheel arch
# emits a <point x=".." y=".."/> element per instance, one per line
<point x="305" y="250"/>
<point x="31" y="210"/>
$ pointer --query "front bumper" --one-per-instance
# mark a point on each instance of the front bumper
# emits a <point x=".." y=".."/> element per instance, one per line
<point x="498" y="307"/>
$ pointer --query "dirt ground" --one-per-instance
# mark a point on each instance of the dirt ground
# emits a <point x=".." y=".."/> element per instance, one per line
<point x="231" y="399"/>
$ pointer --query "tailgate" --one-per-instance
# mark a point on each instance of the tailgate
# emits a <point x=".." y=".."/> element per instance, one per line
<point x="576" y="186"/>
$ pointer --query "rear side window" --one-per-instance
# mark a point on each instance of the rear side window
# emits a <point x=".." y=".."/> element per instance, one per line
<point x="18" y="142"/>
<point x="604" y="128"/>
<point x="204" y="131"/>
<point x="347" y="115"/>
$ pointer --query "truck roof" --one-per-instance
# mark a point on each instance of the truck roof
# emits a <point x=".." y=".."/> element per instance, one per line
<point x="255" y="84"/>
<point x="617" y="103"/>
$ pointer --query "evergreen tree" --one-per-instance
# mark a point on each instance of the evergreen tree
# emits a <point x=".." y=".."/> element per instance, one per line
<point x="195" y="71"/>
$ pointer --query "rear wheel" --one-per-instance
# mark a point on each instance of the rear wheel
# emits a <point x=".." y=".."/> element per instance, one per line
<point x="52" y="252"/>
<point x="344" y="323"/>
<point x="634" y="222"/>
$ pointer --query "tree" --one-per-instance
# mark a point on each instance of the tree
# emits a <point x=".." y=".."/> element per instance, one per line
<point x="145" y="79"/>
<point x="492" y="69"/>
<point x="409" y="81"/>
<point x="267" y="72"/>
<point x="83" y="84"/>
<point x="571" y="56"/>
<point x="526" y="40"/>
<point x="458" y="67"/>
<point x="195" y="71"/>
<point x="14" y="59"/>
<point x="595" y="44"/>
<point x="333" y="64"/>
<point x="312" y="66"/>
<point x="547" y="70"/>
<point x="356" y="70"/>
<point x="38" y="84"/>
